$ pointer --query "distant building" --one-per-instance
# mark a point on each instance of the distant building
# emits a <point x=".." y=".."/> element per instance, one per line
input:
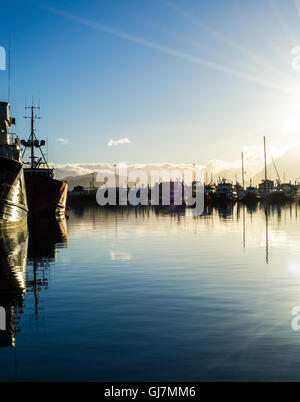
<point x="78" y="190"/>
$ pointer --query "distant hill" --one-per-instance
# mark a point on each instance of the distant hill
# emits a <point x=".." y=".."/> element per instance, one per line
<point x="288" y="166"/>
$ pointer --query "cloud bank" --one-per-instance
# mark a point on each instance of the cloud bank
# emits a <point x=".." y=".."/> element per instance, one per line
<point x="286" y="161"/>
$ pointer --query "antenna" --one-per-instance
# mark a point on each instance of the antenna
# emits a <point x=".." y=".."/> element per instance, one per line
<point x="9" y="73"/>
<point x="33" y="141"/>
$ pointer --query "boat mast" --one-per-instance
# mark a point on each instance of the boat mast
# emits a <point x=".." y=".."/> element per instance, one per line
<point x="32" y="137"/>
<point x="265" y="158"/>
<point x="33" y="142"/>
<point x="243" y="171"/>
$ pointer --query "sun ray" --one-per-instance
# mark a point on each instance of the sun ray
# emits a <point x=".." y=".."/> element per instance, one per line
<point x="228" y="41"/>
<point x="170" y="51"/>
<point x="297" y="5"/>
<point x="292" y="39"/>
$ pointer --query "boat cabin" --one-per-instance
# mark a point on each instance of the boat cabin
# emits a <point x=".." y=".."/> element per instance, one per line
<point x="43" y="172"/>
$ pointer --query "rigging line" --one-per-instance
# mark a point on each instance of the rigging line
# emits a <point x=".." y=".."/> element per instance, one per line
<point x="277" y="172"/>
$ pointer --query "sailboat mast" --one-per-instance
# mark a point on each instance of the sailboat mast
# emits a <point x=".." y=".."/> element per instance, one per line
<point x="243" y="171"/>
<point x="265" y="158"/>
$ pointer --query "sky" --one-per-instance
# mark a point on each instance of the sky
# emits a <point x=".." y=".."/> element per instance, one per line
<point x="179" y="81"/>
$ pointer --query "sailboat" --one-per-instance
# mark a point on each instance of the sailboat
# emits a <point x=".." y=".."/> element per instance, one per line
<point x="274" y="194"/>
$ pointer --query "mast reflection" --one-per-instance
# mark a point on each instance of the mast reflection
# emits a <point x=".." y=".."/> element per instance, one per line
<point x="45" y="236"/>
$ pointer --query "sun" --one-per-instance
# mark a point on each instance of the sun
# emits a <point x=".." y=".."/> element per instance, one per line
<point x="291" y="116"/>
<point x="291" y="125"/>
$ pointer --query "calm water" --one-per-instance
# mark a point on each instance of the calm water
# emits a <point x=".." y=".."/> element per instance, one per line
<point x="144" y="294"/>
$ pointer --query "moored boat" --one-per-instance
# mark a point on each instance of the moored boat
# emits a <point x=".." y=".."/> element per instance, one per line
<point x="45" y="194"/>
<point x="250" y="194"/>
<point x="290" y="190"/>
<point x="209" y="193"/>
<point x="277" y="195"/>
<point x="224" y="191"/>
<point x="13" y="201"/>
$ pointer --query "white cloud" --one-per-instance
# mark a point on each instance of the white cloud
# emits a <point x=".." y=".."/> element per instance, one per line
<point x="62" y="141"/>
<point x="79" y="169"/>
<point x="112" y="143"/>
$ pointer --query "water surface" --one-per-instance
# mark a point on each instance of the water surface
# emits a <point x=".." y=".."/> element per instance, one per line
<point x="152" y="294"/>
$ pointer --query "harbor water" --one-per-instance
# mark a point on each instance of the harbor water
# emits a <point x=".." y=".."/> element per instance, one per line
<point x="132" y="294"/>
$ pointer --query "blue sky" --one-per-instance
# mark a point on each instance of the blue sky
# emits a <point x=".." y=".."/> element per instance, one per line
<point x="183" y="80"/>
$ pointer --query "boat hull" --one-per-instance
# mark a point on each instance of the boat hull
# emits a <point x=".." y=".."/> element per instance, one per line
<point x="224" y="197"/>
<point x="45" y="195"/>
<point x="13" y="201"/>
<point x="250" y="198"/>
<point x="278" y="198"/>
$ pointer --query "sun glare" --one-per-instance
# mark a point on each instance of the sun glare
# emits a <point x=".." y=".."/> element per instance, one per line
<point x="291" y="125"/>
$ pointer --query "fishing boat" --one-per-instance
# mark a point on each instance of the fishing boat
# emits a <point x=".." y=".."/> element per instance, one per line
<point x="13" y="202"/>
<point x="251" y="194"/>
<point x="45" y="194"/>
<point x="224" y="191"/>
<point x="264" y="187"/>
<point x="278" y="195"/>
<point x="209" y="193"/>
<point x="290" y="190"/>
<point x="238" y="192"/>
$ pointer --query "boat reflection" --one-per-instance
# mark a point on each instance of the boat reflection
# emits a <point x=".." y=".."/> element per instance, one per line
<point x="13" y="256"/>
<point x="258" y="224"/>
<point x="45" y="237"/>
<point x="173" y="210"/>
<point x="25" y="258"/>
